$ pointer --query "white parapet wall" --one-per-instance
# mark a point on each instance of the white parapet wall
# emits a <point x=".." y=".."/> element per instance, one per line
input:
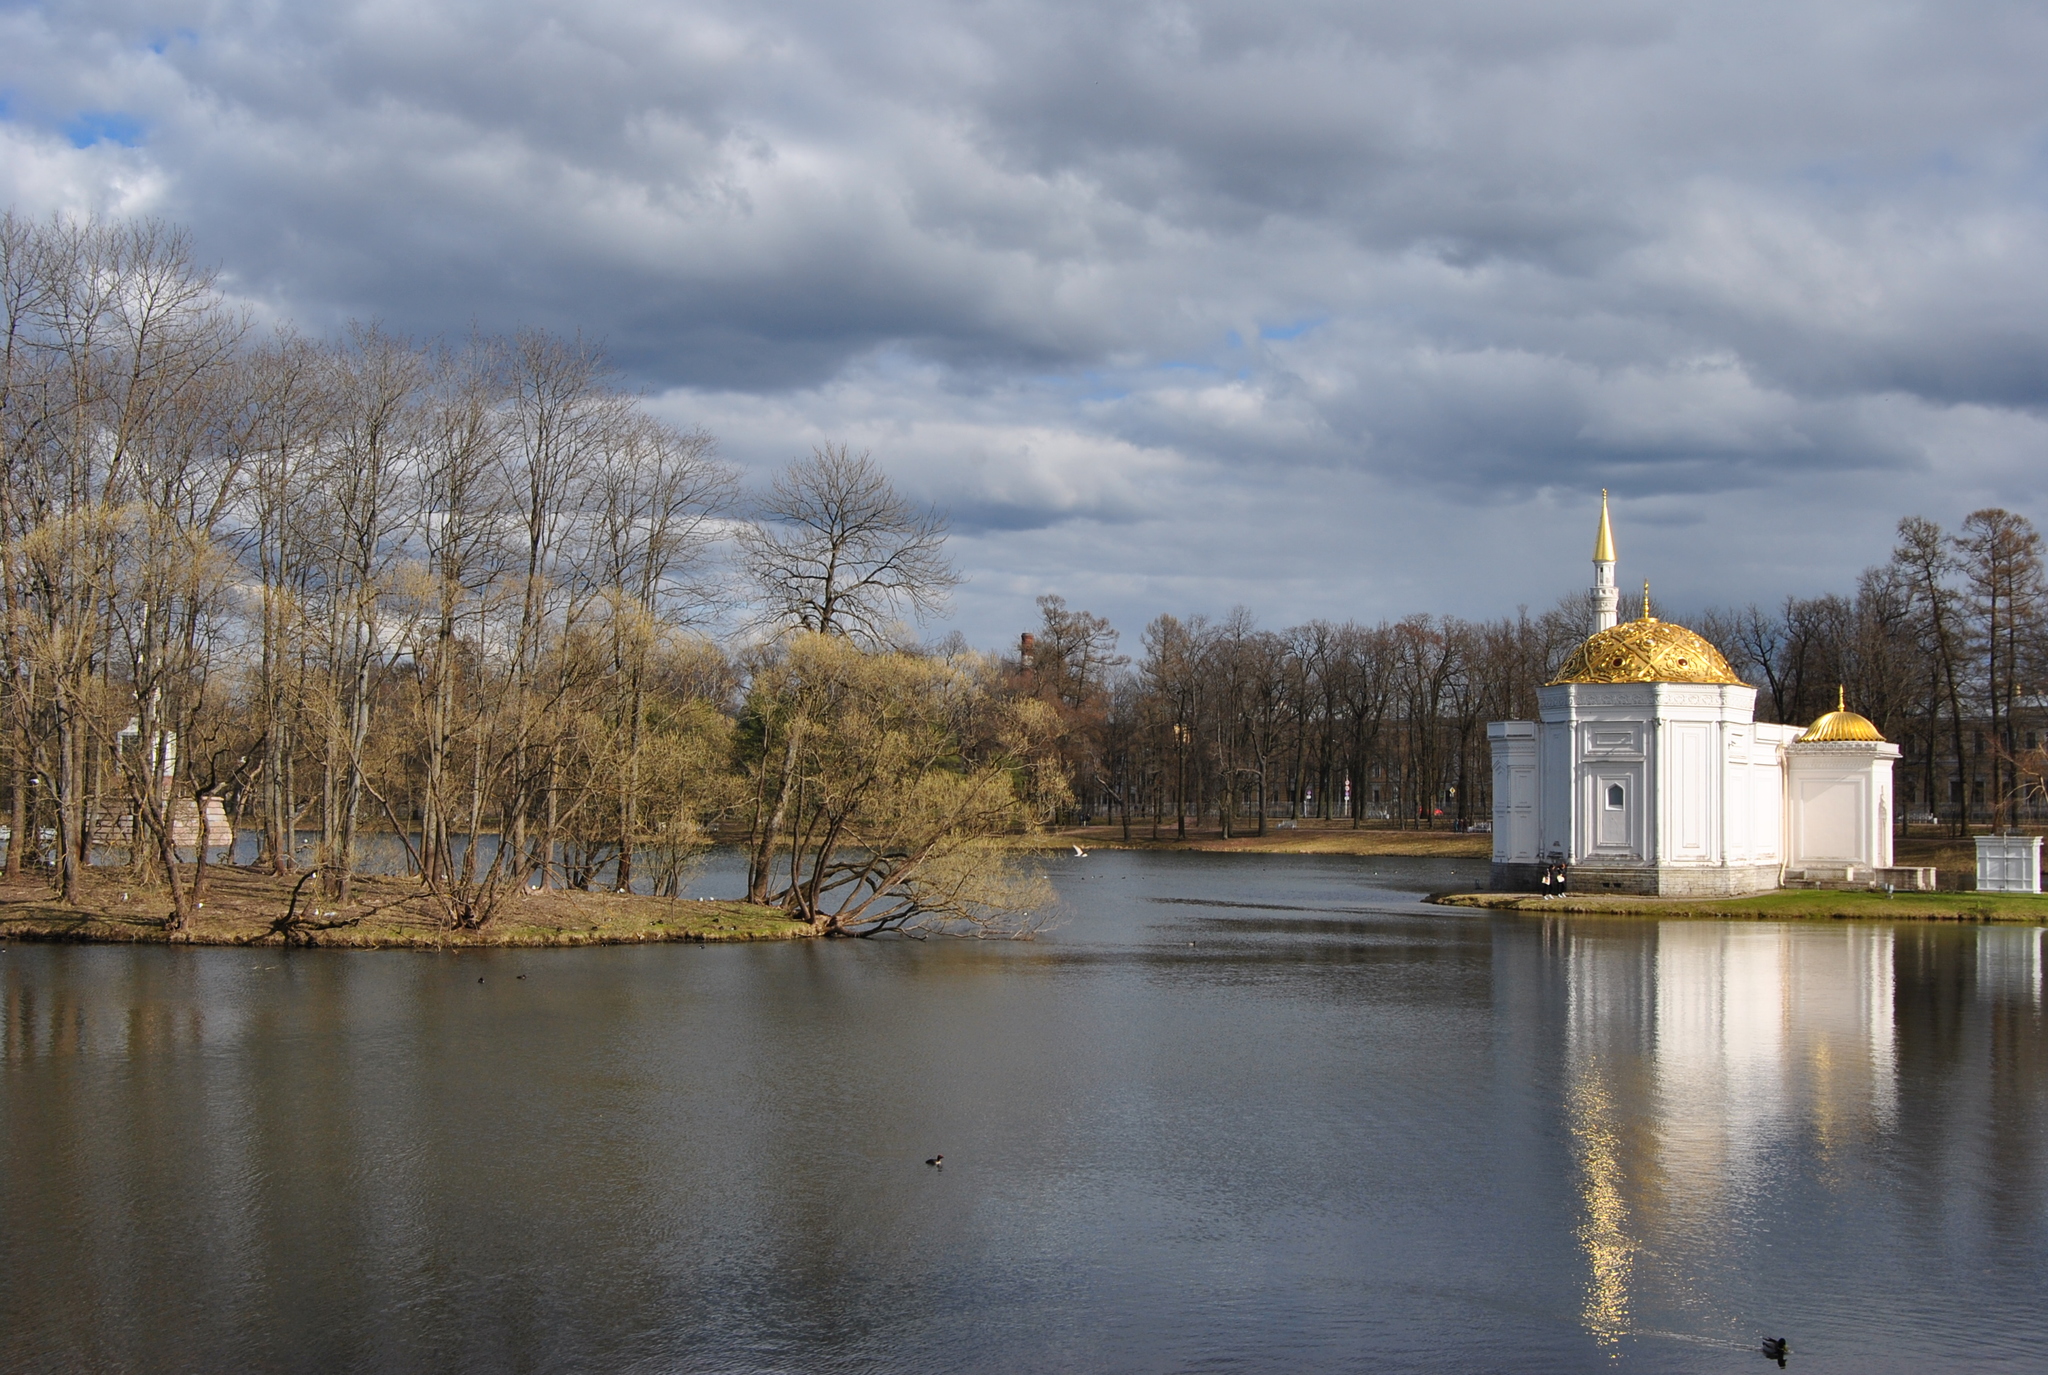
<point x="1839" y="812"/>
<point x="1514" y="791"/>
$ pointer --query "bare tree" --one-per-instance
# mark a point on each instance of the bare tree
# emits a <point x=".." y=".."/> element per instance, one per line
<point x="659" y="491"/>
<point x="839" y="551"/>
<point x="564" y="413"/>
<point x="292" y="382"/>
<point x="1067" y="664"/>
<point x="1175" y="652"/>
<point x="2000" y="557"/>
<point x="1927" y="566"/>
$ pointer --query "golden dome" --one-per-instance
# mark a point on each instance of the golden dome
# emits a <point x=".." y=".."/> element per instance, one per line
<point x="1842" y="724"/>
<point x="1646" y="651"/>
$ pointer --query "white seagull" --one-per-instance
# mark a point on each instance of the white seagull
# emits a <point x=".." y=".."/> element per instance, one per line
<point x="1080" y="853"/>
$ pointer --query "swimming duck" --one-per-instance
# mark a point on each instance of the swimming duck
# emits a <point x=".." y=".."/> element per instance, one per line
<point x="1777" y="1349"/>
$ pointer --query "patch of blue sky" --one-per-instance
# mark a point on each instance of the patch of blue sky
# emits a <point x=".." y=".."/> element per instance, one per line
<point x="103" y="126"/>
<point x="161" y="44"/>
<point x="1293" y="331"/>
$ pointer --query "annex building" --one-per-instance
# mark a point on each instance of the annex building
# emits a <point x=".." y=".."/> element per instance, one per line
<point x="1648" y="772"/>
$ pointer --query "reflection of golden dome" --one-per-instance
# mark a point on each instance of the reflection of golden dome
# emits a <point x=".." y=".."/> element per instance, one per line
<point x="1646" y="651"/>
<point x="1841" y="724"/>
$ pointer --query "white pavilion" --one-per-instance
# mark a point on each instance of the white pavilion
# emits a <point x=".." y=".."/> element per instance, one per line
<point x="1648" y="772"/>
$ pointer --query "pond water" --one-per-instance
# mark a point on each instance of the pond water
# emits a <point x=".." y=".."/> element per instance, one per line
<point x="1246" y="1113"/>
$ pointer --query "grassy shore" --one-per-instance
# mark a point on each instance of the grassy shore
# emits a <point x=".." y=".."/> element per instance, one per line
<point x="386" y="913"/>
<point x="1807" y="904"/>
<point x="1305" y="838"/>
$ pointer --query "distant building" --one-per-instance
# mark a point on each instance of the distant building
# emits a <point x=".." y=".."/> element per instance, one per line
<point x="181" y="813"/>
<point x="1647" y="772"/>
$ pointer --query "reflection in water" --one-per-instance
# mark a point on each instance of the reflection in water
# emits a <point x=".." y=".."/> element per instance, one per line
<point x="1232" y="1113"/>
<point x="1610" y="1252"/>
<point x="2009" y="964"/>
<point x="1705" y="1060"/>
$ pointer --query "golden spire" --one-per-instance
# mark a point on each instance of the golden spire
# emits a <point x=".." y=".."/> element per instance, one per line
<point x="1841" y="698"/>
<point x="1603" y="547"/>
<point x="1646" y="601"/>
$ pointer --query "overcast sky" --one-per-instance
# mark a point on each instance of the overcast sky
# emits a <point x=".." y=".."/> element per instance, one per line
<point x="1329" y="309"/>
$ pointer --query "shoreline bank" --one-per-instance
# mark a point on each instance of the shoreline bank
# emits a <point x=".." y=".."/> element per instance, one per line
<point x="241" y="909"/>
<point x="1785" y="904"/>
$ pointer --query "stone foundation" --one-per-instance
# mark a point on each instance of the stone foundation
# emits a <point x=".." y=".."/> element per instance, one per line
<point x="1851" y="878"/>
<point x="1673" y="881"/>
<point x="1905" y="879"/>
<point x="1516" y="878"/>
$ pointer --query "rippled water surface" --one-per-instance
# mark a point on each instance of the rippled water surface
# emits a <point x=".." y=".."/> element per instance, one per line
<point x="1250" y="1113"/>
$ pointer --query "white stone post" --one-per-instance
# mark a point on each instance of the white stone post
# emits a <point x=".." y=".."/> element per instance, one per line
<point x="2008" y="864"/>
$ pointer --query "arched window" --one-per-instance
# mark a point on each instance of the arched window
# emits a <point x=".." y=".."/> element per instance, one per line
<point x="1614" y="796"/>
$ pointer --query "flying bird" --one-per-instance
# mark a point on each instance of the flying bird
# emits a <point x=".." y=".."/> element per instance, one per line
<point x="1080" y="853"/>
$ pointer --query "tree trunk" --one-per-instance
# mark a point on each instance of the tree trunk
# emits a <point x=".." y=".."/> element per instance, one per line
<point x="18" y="822"/>
<point x="764" y="850"/>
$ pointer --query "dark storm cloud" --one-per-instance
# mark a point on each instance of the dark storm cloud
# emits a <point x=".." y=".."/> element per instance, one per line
<point x="1082" y="267"/>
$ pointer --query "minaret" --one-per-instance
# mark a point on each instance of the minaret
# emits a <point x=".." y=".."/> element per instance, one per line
<point x="1605" y="598"/>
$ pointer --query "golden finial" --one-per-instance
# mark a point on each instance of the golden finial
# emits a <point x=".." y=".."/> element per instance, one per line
<point x="1841" y="724"/>
<point x="1603" y="547"/>
<point x="1646" y="601"/>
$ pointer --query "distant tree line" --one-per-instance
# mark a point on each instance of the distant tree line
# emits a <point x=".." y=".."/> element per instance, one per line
<point x="1944" y="647"/>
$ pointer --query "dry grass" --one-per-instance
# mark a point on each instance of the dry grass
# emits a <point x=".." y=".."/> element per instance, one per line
<point x="386" y="913"/>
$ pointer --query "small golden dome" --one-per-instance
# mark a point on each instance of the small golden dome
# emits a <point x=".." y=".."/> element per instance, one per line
<point x="1842" y="724"/>
<point x="1646" y="651"/>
